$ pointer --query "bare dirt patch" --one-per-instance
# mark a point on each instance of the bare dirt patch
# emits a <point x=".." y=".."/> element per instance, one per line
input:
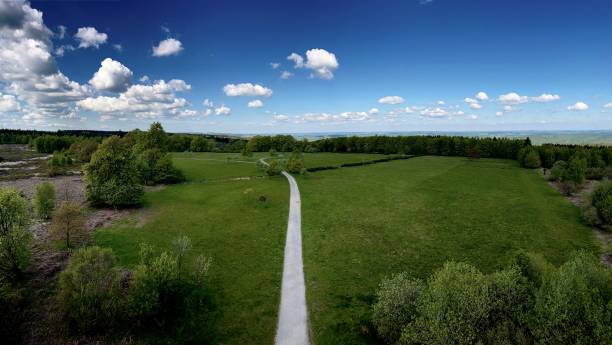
<point x="67" y="188"/>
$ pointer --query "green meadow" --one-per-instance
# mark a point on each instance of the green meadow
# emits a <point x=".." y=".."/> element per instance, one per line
<point x="359" y="224"/>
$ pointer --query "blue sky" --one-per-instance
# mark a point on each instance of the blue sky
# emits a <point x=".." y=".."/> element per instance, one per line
<point x="365" y="65"/>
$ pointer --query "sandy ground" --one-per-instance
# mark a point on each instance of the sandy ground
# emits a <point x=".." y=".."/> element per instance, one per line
<point x="67" y="188"/>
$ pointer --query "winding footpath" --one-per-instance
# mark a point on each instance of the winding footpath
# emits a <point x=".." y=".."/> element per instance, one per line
<point x="293" y="315"/>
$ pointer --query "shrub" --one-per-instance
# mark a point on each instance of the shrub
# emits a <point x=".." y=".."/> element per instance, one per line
<point x="474" y="152"/>
<point x="532" y="160"/>
<point x="83" y="149"/>
<point x="165" y="171"/>
<point x="595" y="173"/>
<point x="273" y="168"/>
<point x="68" y="224"/>
<point x="201" y="144"/>
<point x="44" y="200"/>
<point x="601" y="199"/>
<point x="576" y="169"/>
<point x="452" y="308"/>
<point x="396" y="305"/>
<point x="246" y="152"/>
<point x="89" y="291"/>
<point x="111" y="177"/>
<point x="15" y="234"/>
<point x="589" y="216"/>
<point x="295" y="164"/>
<point x="558" y="171"/>
<point x="574" y="304"/>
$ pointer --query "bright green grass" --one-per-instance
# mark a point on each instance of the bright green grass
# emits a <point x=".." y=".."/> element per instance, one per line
<point x="243" y="236"/>
<point x="361" y="224"/>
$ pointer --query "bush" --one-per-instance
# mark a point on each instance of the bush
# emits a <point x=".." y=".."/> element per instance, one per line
<point x="273" y="168"/>
<point x="15" y="234"/>
<point x="601" y="199"/>
<point x="595" y="173"/>
<point x="295" y="164"/>
<point x="165" y="171"/>
<point x="590" y="216"/>
<point x="83" y="149"/>
<point x="574" y="304"/>
<point x="452" y="308"/>
<point x="396" y="305"/>
<point x="557" y="172"/>
<point x="532" y="160"/>
<point x="89" y="294"/>
<point x="576" y="169"/>
<point x="68" y="224"/>
<point x="201" y="144"/>
<point x="44" y="200"/>
<point x="111" y="177"/>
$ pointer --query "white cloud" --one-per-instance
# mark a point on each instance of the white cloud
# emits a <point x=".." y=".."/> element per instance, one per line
<point x="208" y="103"/>
<point x="286" y="75"/>
<point x="435" y="112"/>
<point x="9" y="103"/>
<point x="441" y="102"/>
<point x="475" y="106"/>
<point x="143" y="101"/>
<point x="61" y="32"/>
<point x="579" y="106"/>
<point x="61" y="50"/>
<point x="482" y="96"/>
<point x="90" y="37"/>
<point x="274" y="65"/>
<point x="112" y="76"/>
<point x="473" y="117"/>
<point x="470" y="100"/>
<point x="297" y="59"/>
<point x="223" y="110"/>
<point x="246" y="89"/>
<point x="118" y="47"/>
<point x="144" y="79"/>
<point x="373" y="111"/>
<point x="499" y="113"/>
<point x="608" y="106"/>
<point x="546" y="97"/>
<point x="167" y="47"/>
<point x="391" y="100"/>
<point x="280" y="117"/>
<point x="322" y="62"/>
<point x="255" y="104"/>
<point x="513" y="98"/>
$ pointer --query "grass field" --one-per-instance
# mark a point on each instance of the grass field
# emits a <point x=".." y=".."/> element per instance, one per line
<point x="362" y="224"/>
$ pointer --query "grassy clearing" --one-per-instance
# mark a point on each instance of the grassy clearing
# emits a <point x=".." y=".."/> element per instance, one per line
<point x="225" y="221"/>
<point x="361" y="224"/>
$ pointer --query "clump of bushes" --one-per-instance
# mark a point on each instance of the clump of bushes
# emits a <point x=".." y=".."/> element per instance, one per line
<point x="44" y="200"/>
<point x="164" y="294"/>
<point x="529" y="157"/>
<point x="15" y="235"/>
<point x="295" y="163"/>
<point x="68" y="224"/>
<point x="599" y="210"/>
<point x="529" y="302"/>
<point x="273" y="168"/>
<point x="83" y="149"/>
<point x="112" y="177"/>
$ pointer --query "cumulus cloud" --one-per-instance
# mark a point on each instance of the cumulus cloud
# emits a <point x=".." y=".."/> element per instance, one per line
<point x="472" y="117"/>
<point x="274" y="65"/>
<point x="246" y="89"/>
<point x="207" y="103"/>
<point x="320" y="61"/>
<point x="167" y="47"/>
<point x="391" y="100"/>
<point x="28" y="69"/>
<point x="143" y="101"/>
<point x="8" y="104"/>
<point x="61" y="50"/>
<point x="578" y="106"/>
<point x="223" y="110"/>
<point x="475" y="106"/>
<point x="255" y="104"/>
<point x="373" y="111"/>
<point x="286" y="75"/>
<point x="482" y="96"/>
<point x="61" y="32"/>
<point x="280" y="118"/>
<point x="470" y="100"/>
<point x="546" y="97"/>
<point x="90" y="37"/>
<point x="112" y="76"/>
<point x="297" y="59"/>
<point x="435" y="112"/>
<point x="144" y="79"/>
<point x="608" y="106"/>
<point x="513" y="98"/>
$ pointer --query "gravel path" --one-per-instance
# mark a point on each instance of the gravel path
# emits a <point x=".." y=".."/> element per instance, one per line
<point x="293" y="315"/>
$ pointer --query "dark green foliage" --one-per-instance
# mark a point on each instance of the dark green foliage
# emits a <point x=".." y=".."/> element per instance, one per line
<point x="60" y="159"/>
<point x="201" y="144"/>
<point x="15" y="234"/>
<point x="295" y="163"/>
<point x="273" y="168"/>
<point x="52" y="143"/>
<point x="112" y="177"/>
<point x="557" y="172"/>
<point x="396" y="305"/>
<point x="529" y="302"/>
<point x="83" y="149"/>
<point x="44" y="200"/>
<point x="531" y="160"/>
<point x="547" y="156"/>
<point x="246" y="152"/>
<point x="153" y="160"/>
<point x="576" y="169"/>
<point x="574" y="304"/>
<point x="601" y="199"/>
<point x="89" y="292"/>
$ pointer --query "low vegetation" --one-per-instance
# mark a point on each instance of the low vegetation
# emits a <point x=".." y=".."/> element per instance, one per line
<point x="44" y="200"/>
<point x="68" y="225"/>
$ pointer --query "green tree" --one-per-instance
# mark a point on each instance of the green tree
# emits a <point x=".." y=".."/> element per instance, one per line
<point x="112" y="177"/>
<point x="576" y="169"/>
<point x="201" y="144"/>
<point x="68" y="224"/>
<point x="295" y="164"/>
<point x="601" y="199"/>
<point x="532" y="160"/>
<point x="15" y="234"/>
<point x="44" y="200"/>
